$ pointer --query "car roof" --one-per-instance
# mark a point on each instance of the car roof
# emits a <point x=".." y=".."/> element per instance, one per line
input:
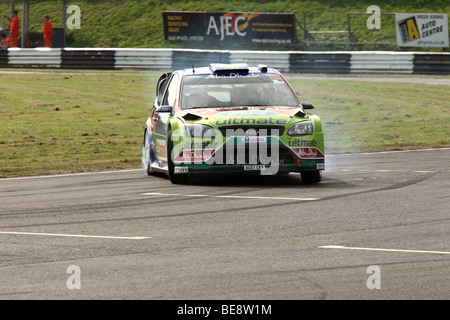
<point x="222" y="68"/>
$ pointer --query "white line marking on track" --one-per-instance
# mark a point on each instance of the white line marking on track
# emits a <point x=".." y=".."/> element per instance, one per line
<point x="70" y="174"/>
<point x="71" y="235"/>
<point x="352" y="154"/>
<point x="232" y="197"/>
<point x="381" y="249"/>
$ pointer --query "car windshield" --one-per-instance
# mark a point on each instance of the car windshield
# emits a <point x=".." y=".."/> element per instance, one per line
<point x="234" y="90"/>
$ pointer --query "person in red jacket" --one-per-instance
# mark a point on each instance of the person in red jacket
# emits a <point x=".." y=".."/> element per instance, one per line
<point x="5" y="43"/>
<point x="47" y="30"/>
<point x="14" y="29"/>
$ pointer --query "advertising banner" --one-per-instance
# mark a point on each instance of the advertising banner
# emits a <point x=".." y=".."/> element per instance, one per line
<point x="422" y="29"/>
<point x="231" y="27"/>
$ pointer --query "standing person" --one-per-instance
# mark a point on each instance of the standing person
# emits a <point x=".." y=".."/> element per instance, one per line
<point x="47" y="30"/>
<point x="14" y="29"/>
<point x="5" y="42"/>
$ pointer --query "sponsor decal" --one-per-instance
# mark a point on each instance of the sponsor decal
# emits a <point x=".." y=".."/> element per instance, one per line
<point x="232" y="75"/>
<point x="254" y="139"/>
<point x="194" y="156"/>
<point x="161" y="149"/>
<point x="276" y="79"/>
<point x="251" y="121"/>
<point x="308" y="153"/>
<point x="199" y="145"/>
<point x="302" y="143"/>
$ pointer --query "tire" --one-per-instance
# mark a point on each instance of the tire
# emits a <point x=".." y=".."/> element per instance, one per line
<point x="309" y="177"/>
<point x="146" y="154"/>
<point x="174" y="178"/>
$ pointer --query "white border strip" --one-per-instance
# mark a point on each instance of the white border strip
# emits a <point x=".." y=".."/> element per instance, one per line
<point x="383" y="152"/>
<point x="231" y="197"/>
<point x="70" y="174"/>
<point x="381" y="249"/>
<point x="71" y="235"/>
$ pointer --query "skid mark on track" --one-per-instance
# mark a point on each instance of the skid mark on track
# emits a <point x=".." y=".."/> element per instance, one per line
<point x="146" y="200"/>
<point x="385" y="188"/>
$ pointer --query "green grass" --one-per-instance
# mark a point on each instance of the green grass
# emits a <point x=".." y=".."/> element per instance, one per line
<point x="138" y="23"/>
<point x="75" y="122"/>
<point x="72" y="122"/>
<point x="375" y="116"/>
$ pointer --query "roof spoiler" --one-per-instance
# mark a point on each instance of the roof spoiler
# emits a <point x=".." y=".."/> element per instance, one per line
<point x="222" y="67"/>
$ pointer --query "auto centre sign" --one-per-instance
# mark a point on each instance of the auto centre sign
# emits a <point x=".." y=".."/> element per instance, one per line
<point x="422" y="29"/>
<point x="231" y="27"/>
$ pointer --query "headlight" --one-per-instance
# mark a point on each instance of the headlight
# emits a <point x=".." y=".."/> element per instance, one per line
<point x="199" y="131"/>
<point x="301" y="128"/>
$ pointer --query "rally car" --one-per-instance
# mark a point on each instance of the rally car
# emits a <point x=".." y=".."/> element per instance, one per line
<point x="231" y="118"/>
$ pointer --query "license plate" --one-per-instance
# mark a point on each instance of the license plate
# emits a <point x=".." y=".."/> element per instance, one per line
<point x="254" y="167"/>
<point x="181" y="170"/>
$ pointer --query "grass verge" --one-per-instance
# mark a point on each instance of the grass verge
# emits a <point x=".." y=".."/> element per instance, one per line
<point x="379" y="116"/>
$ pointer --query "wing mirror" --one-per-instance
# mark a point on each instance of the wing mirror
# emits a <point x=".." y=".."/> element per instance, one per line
<point x="307" y="105"/>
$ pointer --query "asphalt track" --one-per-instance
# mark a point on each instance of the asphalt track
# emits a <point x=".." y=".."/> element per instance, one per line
<point x="376" y="227"/>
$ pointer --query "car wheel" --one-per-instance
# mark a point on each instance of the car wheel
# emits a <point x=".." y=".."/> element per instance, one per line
<point x="146" y="157"/>
<point x="174" y="178"/>
<point x="311" y="176"/>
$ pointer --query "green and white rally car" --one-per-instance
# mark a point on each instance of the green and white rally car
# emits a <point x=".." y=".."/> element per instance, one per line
<point x="231" y="118"/>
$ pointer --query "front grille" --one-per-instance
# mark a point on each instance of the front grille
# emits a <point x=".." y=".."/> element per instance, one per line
<point x="240" y="130"/>
<point x="246" y="154"/>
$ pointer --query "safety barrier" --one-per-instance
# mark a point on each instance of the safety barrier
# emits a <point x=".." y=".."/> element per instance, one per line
<point x="3" y="58"/>
<point x="381" y="62"/>
<point x="147" y="59"/>
<point x="431" y="63"/>
<point x="87" y="59"/>
<point x="320" y="62"/>
<point x="38" y="58"/>
<point x="345" y="62"/>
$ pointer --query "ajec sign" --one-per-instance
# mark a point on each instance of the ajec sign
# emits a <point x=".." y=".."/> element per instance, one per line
<point x="231" y="27"/>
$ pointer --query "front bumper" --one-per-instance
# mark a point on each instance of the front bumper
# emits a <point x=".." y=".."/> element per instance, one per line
<point x="247" y="169"/>
<point x="266" y="155"/>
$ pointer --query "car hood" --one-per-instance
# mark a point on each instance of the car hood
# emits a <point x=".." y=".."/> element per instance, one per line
<point x="243" y="115"/>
